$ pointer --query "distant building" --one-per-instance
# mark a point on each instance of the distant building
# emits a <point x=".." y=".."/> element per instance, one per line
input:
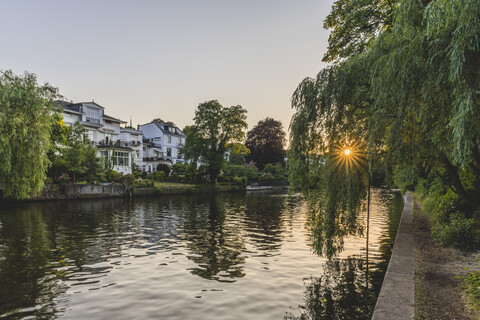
<point x="117" y="146"/>
<point x="163" y="142"/>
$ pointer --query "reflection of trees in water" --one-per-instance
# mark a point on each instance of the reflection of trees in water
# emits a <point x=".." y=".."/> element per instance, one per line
<point x="214" y="240"/>
<point x="340" y="293"/>
<point x="27" y="268"/>
<point x="263" y="221"/>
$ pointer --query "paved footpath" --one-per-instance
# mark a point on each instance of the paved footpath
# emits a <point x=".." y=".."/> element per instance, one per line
<point x="397" y="298"/>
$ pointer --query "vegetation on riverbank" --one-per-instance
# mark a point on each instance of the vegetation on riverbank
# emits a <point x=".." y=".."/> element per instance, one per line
<point x="439" y="274"/>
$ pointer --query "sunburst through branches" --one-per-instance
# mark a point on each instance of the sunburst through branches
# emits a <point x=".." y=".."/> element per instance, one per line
<point x="349" y="155"/>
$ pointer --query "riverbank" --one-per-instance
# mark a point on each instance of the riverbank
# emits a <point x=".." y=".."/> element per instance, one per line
<point x="95" y="191"/>
<point x="438" y="290"/>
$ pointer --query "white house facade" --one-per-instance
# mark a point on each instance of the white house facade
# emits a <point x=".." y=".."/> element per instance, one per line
<point x="162" y="141"/>
<point x="116" y="145"/>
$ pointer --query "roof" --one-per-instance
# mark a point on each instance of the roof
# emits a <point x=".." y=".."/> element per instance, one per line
<point x="164" y="128"/>
<point x="68" y="106"/>
<point x="105" y="117"/>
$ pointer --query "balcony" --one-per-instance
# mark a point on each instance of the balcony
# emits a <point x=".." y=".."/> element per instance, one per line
<point x="92" y="120"/>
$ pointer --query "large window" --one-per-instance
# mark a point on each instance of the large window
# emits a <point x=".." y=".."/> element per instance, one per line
<point x="93" y="115"/>
<point x="121" y="158"/>
<point x="169" y="139"/>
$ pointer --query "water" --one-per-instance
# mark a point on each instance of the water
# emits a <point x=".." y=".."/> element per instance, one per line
<point x="229" y="256"/>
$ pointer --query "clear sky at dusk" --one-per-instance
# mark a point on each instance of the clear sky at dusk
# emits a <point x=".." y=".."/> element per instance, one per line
<point x="149" y="59"/>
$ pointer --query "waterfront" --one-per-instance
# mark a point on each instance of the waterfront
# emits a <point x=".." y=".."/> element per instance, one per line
<point x="225" y="256"/>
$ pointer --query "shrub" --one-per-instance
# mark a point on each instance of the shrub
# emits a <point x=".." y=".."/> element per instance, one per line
<point x="240" y="181"/>
<point x="277" y="170"/>
<point x="158" y="175"/>
<point x="267" y="176"/>
<point x="459" y="232"/>
<point x="472" y="287"/>
<point x="113" y="176"/>
<point x="82" y="182"/>
<point x="63" y="178"/>
<point x="178" y="169"/>
<point x="449" y="204"/>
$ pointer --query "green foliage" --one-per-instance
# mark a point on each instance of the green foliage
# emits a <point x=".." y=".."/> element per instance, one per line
<point x="472" y="287"/>
<point x="459" y="233"/>
<point x="78" y="157"/>
<point x="113" y="176"/>
<point x="178" y="168"/>
<point x="158" y="175"/>
<point x="355" y="25"/>
<point x="266" y="176"/>
<point x="277" y="170"/>
<point x="26" y="118"/>
<point x="404" y="90"/>
<point x="215" y="128"/>
<point x="266" y="142"/>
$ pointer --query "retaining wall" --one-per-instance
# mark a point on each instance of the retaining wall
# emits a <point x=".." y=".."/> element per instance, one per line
<point x="397" y="295"/>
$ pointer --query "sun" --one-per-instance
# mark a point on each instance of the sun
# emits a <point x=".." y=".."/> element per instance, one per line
<point x="347" y="151"/>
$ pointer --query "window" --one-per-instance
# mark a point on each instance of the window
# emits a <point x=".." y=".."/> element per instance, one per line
<point x="133" y="138"/>
<point x="88" y="135"/>
<point x="137" y="153"/>
<point x="93" y="115"/>
<point x="179" y="141"/>
<point x="171" y="129"/>
<point x="169" y="139"/>
<point x="169" y="152"/>
<point x="121" y="159"/>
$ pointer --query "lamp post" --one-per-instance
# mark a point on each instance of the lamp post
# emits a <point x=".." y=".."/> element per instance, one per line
<point x="348" y="153"/>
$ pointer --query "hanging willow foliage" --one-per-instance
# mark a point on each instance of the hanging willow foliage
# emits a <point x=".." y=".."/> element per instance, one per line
<point x="407" y="95"/>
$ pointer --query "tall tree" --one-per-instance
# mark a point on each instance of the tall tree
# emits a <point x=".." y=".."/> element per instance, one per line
<point x="266" y="142"/>
<point x="26" y="117"/>
<point x="215" y="128"/>
<point x="407" y="96"/>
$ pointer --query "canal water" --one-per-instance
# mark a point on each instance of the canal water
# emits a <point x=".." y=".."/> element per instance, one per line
<point x="225" y="256"/>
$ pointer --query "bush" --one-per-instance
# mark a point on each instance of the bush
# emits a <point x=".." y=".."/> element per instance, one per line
<point x="82" y="182"/>
<point x="449" y="204"/>
<point x="113" y="176"/>
<point x="63" y="178"/>
<point x="266" y="176"/>
<point x="158" y="176"/>
<point x="277" y="170"/>
<point x="459" y="232"/>
<point x="240" y="181"/>
<point x="178" y="169"/>
<point x="472" y="287"/>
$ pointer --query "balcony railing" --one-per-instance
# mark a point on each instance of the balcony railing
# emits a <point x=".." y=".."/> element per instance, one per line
<point x="92" y="120"/>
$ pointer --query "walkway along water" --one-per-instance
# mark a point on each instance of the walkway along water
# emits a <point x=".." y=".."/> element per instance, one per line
<point x="396" y="299"/>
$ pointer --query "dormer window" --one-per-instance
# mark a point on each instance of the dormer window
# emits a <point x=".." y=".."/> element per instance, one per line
<point x="171" y="129"/>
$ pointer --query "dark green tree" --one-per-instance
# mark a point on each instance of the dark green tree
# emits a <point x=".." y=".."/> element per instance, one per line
<point x="215" y="128"/>
<point x="266" y="142"/>
<point x="26" y="117"/>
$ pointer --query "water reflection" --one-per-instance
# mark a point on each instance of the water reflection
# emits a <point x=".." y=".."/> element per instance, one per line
<point x="214" y="245"/>
<point x="239" y="254"/>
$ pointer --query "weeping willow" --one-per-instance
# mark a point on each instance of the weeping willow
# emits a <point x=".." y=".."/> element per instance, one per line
<point x="408" y="99"/>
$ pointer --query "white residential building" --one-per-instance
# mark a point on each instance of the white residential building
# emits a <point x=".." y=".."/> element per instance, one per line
<point x="116" y="145"/>
<point x="162" y="142"/>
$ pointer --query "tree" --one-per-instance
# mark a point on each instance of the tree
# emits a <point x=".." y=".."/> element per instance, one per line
<point x="407" y="97"/>
<point x="26" y="117"/>
<point x="78" y="157"/>
<point x="266" y="142"/>
<point x="215" y="128"/>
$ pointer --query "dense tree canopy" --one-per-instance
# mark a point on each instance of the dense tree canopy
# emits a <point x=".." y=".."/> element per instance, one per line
<point x="266" y="142"/>
<point x="215" y="128"/>
<point x="404" y="94"/>
<point x="26" y="117"/>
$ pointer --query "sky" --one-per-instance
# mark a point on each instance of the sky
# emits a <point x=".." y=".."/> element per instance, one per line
<point x="161" y="59"/>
